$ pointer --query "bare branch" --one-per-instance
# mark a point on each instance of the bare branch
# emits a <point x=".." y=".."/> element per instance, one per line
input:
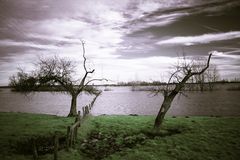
<point x="85" y="68"/>
<point x="205" y="68"/>
<point x="102" y="79"/>
<point x="84" y="58"/>
<point x="169" y="80"/>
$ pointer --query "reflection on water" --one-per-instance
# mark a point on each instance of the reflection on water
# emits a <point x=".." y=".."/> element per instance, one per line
<point x="121" y="100"/>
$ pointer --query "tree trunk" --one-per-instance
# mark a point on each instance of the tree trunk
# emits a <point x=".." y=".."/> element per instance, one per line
<point x="73" y="109"/>
<point x="162" y="112"/>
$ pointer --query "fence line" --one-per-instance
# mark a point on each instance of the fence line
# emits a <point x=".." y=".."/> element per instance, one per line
<point x="72" y="130"/>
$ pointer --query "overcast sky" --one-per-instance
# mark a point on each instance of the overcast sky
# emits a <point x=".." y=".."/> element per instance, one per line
<point x="125" y="40"/>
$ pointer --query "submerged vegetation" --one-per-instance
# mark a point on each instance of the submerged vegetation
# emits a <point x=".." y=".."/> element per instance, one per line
<point x="126" y="137"/>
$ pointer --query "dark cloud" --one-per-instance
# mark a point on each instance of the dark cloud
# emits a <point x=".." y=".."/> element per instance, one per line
<point x="214" y="17"/>
<point x="36" y="10"/>
<point x="193" y="19"/>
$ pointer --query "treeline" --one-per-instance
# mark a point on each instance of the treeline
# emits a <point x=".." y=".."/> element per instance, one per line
<point x="158" y="83"/>
<point x="141" y="83"/>
<point x="57" y="88"/>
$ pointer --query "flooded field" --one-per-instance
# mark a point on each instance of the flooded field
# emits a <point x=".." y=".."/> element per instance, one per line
<point x="121" y="100"/>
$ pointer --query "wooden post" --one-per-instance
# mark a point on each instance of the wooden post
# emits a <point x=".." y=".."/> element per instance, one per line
<point x="35" y="153"/>
<point x="87" y="109"/>
<point x="79" y="116"/>
<point x="68" y="137"/>
<point x="71" y="138"/>
<point x="83" y="111"/>
<point x="76" y="119"/>
<point x="75" y="135"/>
<point x="56" y="145"/>
<point x="75" y="129"/>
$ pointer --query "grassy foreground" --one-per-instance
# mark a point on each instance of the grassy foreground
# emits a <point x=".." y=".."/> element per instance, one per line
<point x="16" y="128"/>
<point x="128" y="137"/>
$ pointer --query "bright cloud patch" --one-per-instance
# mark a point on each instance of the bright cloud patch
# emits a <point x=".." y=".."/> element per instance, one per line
<point x="202" y="39"/>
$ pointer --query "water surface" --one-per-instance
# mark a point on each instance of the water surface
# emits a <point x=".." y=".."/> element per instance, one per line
<point x="121" y="100"/>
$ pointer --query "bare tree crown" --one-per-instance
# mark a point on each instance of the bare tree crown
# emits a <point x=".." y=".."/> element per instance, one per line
<point x="56" y="70"/>
<point x="183" y="71"/>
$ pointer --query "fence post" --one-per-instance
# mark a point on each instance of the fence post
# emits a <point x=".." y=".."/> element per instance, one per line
<point x="83" y="111"/>
<point x="75" y="129"/>
<point x="86" y="109"/>
<point x="71" y="138"/>
<point x="35" y="153"/>
<point x="68" y="137"/>
<point x="75" y="135"/>
<point x="79" y="117"/>
<point x="56" y="145"/>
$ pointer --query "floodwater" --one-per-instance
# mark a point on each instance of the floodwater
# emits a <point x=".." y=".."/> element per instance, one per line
<point x="123" y="101"/>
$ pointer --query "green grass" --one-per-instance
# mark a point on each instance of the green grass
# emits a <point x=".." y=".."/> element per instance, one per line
<point x="19" y="127"/>
<point x="201" y="137"/>
<point x="207" y="138"/>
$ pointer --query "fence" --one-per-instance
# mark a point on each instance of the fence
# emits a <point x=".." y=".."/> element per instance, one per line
<point x="72" y="132"/>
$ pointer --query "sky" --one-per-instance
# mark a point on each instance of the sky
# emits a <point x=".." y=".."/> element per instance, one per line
<point x="127" y="40"/>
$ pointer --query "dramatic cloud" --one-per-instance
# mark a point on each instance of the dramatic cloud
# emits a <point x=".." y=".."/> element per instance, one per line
<point x="12" y="43"/>
<point x="124" y="40"/>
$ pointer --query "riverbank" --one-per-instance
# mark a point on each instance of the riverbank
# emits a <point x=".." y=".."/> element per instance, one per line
<point x="126" y="137"/>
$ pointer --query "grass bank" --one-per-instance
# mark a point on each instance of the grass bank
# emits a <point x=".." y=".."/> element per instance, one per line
<point x="129" y="137"/>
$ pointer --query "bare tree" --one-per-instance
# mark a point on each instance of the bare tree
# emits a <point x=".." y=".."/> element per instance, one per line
<point x="56" y="71"/>
<point x="184" y="70"/>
